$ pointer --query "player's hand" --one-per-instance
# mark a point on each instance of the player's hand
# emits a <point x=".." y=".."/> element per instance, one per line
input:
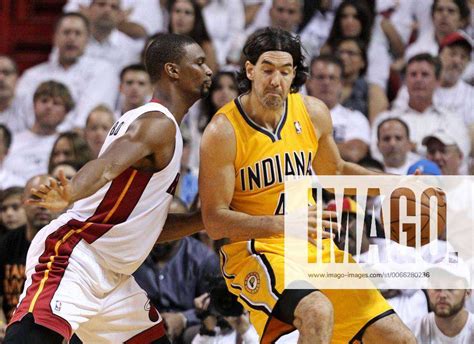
<point x="55" y="196"/>
<point x="326" y="222"/>
<point x="175" y="324"/>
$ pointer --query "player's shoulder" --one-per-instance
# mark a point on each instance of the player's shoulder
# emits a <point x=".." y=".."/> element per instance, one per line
<point x="317" y="110"/>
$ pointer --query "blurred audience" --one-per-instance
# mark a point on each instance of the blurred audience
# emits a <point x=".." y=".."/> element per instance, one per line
<point x="106" y="42"/>
<point x="98" y="125"/>
<point x="444" y="149"/>
<point x="421" y="115"/>
<point x="135" y="88"/>
<point x="7" y="178"/>
<point x="90" y="81"/>
<point x="351" y="128"/>
<point x="12" y="211"/>
<point x="69" y="146"/>
<point x="10" y="110"/>
<point x="393" y="142"/>
<point x="186" y="19"/>
<point x="30" y="149"/>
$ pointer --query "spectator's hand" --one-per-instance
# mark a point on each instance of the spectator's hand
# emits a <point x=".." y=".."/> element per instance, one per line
<point x="175" y="324"/>
<point x="55" y="196"/>
<point x="201" y="303"/>
<point x="123" y="16"/>
<point x="390" y="293"/>
<point x="241" y="324"/>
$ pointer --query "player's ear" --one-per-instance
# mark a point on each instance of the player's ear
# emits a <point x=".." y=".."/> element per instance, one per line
<point x="250" y="70"/>
<point x="172" y="70"/>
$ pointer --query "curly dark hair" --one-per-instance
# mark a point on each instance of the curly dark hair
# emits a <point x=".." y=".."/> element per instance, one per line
<point x="272" y="39"/>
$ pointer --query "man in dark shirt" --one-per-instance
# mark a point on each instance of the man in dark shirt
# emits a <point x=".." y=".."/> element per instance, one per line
<point x="14" y="247"/>
<point x="173" y="275"/>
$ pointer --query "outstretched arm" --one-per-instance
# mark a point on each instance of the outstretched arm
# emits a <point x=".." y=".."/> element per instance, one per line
<point x="150" y="133"/>
<point x="178" y="226"/>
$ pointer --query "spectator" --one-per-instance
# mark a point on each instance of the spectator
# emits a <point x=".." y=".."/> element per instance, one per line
<point x="14" y="246"/>
<point x="449" y="321"/>
<point x="12" y="211"/>
<point x="139" y="18"/>
<point x="186" y="263"/>
<point x="393" y="142"/>
<point x="90" y="81"/>
<point x="68" y="168"/>
<point x="453" y="93"/>
<point x="10" y="112"/>
<point x="30" y="150"/>
<point x="425" y="167"/>
<point x="353" y="19"/>
<point x="444" y="149"/>
<point x="421" y="115"/>
<point x="98" y="124"/>
<point x="7" y="178"/>
<point x="69" y="146"/>
<point x="448" y="16"/>
<point x="351" y="128"/>
<point x="186" y="19"/>
<point x="357" y="94"/>
<point x="318" y="18"/>
<point x="225" y="20"/>
<point x="107" y="43"/>
<point x="223" y="90"/>
<point x="135" y="88"/>
<point x="282" y="14"/>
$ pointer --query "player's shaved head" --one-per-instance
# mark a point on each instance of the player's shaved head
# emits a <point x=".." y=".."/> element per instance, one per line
<point x="165" y="48"/>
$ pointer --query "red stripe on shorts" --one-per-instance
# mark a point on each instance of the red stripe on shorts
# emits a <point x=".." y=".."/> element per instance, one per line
<point x="116" y="207"/>
<point x="149" y="335"/>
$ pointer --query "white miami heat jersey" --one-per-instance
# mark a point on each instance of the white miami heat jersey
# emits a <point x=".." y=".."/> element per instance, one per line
<point x="122" y="221"/>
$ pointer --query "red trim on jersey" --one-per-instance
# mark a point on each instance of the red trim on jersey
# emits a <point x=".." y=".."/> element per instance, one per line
<point x="155" y="100"/>
<point x="274" y="329"/>
<point x="149" y="335"/>
<point x="116" y="206"/>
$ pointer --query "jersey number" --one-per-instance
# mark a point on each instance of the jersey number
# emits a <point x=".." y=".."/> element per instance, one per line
<point x="116" y="128"/>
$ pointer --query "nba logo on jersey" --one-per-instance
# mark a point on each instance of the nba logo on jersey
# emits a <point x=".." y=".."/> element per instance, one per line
<point x="298" y="127"/>
<point x="57" y="306"/>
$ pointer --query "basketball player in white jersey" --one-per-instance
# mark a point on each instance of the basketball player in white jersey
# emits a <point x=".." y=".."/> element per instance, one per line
<point x="79" y="266"/>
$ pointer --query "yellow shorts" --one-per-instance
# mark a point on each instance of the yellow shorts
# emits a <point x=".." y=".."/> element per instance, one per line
<point x="254" y="271"/>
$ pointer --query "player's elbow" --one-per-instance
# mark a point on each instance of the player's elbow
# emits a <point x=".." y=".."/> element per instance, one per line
<point x="212" y="224"/>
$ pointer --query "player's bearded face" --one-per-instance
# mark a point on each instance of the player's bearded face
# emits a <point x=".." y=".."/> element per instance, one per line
<point x="272" y="77"/>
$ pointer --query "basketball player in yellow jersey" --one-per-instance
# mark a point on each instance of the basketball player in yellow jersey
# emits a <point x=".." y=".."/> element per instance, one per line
<point x="250" y="145"/>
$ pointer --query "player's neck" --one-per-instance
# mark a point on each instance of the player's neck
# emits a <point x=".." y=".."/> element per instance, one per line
<point x="265" y="117"/>
<point x="453" y="325"/>
<point x="174" y="101"/>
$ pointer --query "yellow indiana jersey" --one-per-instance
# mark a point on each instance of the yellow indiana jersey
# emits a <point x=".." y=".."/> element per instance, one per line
<point x="264" y="158"/>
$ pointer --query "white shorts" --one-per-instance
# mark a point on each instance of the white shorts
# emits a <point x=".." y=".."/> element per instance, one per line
<point x="67" y="291"/>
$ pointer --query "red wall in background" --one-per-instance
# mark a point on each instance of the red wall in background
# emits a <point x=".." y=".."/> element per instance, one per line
<point x="26" y="29"/>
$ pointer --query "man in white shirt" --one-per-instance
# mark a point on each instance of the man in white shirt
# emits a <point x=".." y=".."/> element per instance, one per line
<point x="30" y="150"/>
<point x="107" y="42"/>
<point x="10" y="113"/>
<point x="393" y="141"/>
<point x="421" y="115"/>
<point x="139" y="18"/>
<point x="443" y="149"/>
<point x="448" y="16"/>
<point x="7" y="178"/>
<point x="351" y="128"/>
<point x="90" y="81"/>
<point x="449" y="322"/>
<point x="135" y="88"/>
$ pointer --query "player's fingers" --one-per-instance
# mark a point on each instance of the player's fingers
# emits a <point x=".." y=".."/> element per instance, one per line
<point x="44" y="189"/>
<point x="329" y="214"/>
<point x="35" y="202"/>
<point x="62" y="178"/>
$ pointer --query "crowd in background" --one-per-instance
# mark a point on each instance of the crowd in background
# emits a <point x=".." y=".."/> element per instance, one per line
<point x="397" y="76"/>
